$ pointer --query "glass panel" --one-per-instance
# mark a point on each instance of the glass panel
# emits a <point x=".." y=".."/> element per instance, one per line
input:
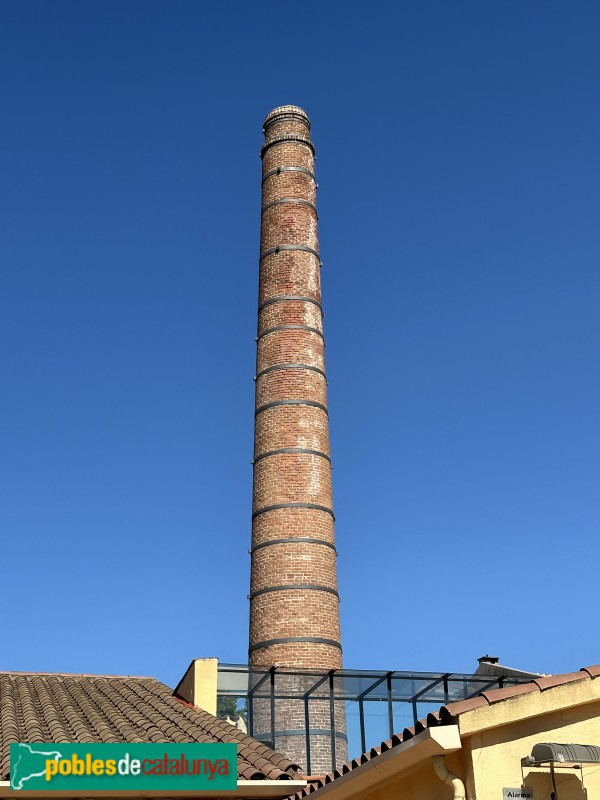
<point x="232" y="681"/>
<point x="299" y="684"/>
<point x="403" y="716"/>
<point x="357" y="683"/>
<point x="344" y="688"/>
<point x="425" y="708"/>
<point x="402" y="688"/>
<point x="234" y="709"/>
<point x="353" y="730"/>
<point x="377" y="726"/>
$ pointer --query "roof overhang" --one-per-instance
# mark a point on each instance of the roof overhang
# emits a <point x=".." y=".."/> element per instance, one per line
<point x="521" y="707"/>
<point x="253" y="789"/>
<point x="393" y="763"/>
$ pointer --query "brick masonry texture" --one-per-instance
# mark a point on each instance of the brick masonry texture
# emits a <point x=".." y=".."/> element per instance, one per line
<point x="290" y="273"/>
<point x="293" y="523"/>
<point x="293" y="586"/>
<point x="290" y="367"/>
<point x="289" y="426"/>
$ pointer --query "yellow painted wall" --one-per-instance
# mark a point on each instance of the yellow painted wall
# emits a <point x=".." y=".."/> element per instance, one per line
<point x="199" y="684"/>
<point x="421" y="784"/>
<point x="497" y="752"/>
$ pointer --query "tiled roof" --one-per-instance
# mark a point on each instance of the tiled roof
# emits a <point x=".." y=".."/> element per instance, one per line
<point x="449" y="714"/>
<point x="36" y="707"/>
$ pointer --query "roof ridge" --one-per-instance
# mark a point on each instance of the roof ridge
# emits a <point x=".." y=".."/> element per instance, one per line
<point x="10" y="672"/>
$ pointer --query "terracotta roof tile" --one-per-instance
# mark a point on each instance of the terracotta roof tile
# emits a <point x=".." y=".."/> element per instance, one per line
<point x="107" y="708"/>
<point x="497" y="695"/>
<point x="593" y="672"/>
<point x="550" y="681"/>
<point x="433" y="719"/>
<point x="461" y="707"/>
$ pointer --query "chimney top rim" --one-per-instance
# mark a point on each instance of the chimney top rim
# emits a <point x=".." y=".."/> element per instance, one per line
<point x="280" y="111"/>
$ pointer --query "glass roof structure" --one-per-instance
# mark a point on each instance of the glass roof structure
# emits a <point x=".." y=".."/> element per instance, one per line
<point x="363" y="706"/>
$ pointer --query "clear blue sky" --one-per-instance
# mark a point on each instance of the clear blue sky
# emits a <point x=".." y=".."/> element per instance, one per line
<point x="458" y="160"/>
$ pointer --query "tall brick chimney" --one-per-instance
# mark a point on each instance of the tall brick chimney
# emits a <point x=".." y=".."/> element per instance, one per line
<point x="294" y="604"/>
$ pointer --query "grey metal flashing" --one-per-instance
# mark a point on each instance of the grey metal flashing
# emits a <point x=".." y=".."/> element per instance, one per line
<point x="303" y="247"/>
<point x="277" y="170"/>
<point x="274" y="403"/>
<point x="286" y="116"/>
<point x="290" y="327"/>
<point x="289" y="366"/>
<point x="283" y="297"/>
<point x="302" y="450"/>
<point x="301" y="732"/>
<point x="284" y="200"/>
<point x="291" y="639"/>
<point x="293" y="540"/>
<point x="313" y="587"/>
<point x="277" y="506"/>
<point x="287" y="137"/>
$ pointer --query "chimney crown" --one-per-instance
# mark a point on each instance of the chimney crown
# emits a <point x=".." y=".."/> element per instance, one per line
<point x="291" y="113"/>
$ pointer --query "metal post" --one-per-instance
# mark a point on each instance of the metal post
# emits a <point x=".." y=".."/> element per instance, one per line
<point x="272" y="672"/>
<point x="390" y="706"/>
<point x="307" y="734"/>
<point x="250" y="701"/>
<point x="361" y="714"/>
<point x="332" y="720"/>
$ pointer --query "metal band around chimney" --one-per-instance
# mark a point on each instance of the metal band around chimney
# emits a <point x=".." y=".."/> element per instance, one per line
<point x="278" y="170"/>
<point x="277" y="506"/>
<point x="265" y="737"/>
<point x="286" y="116"/>
<point x="301" y="450"/>
<point x="289" y="366"/>
<point x="287" y="137"/>
<point x="293" y="540"/>
<point x="290" y="328"/>
<point x="284" y="200"/>
<point x="278" y="248"/>
<point x="274" y="403"/>
<point x="313" y="587"/>
<point x="291" y="639"/>
<point x="283" y="297"/>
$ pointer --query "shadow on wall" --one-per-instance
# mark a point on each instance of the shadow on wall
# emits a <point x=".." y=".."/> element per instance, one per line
<point x="568" y="784"/>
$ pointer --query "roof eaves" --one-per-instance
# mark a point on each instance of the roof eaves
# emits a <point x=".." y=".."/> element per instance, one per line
<point x="259" y="789"/>
<point x="365" y="773"/>
<point x="572" y="689"/>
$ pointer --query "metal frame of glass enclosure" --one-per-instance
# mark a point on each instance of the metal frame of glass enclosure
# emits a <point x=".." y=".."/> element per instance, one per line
<point x="401" y="697"/>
